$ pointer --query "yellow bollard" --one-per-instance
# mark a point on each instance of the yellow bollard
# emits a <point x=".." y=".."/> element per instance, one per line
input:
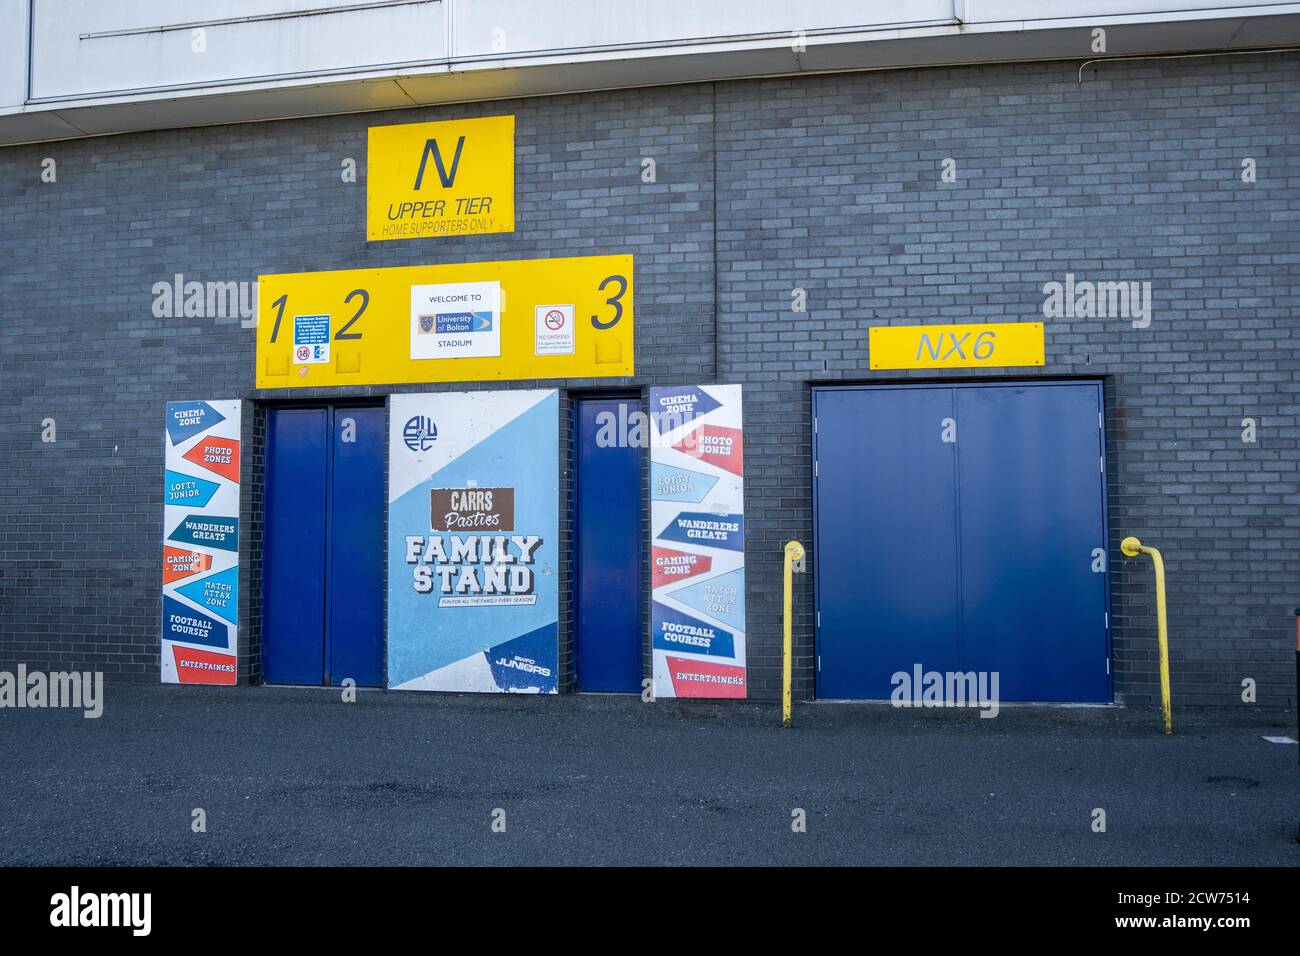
<point x="793" y="552"/>
<point x="1132" y="547"/>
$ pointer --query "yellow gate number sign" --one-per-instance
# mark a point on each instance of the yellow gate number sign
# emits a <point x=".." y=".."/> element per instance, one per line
<point x="452" y="178"/>
<point x="466" y="322"/>
<point x="956" y="346"/>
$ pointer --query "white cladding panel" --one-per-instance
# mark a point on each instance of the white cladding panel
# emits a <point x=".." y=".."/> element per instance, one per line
<point x="484" y="27"/>
<point x="993" y="11"/>
<point x="91" y="67"/>
<point x="13" y="53"/>
<point x="151" y="44"/>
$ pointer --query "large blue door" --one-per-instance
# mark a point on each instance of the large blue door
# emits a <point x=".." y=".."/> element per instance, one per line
<point x="293" y="623"/>
<point x="356" y="548"/>
<point x="961" y="528"/>
<point x="607" y="548"/>
<point x="886" y="558"/>
<point x="1033" y="540"/>
<point x="324" y="548"/>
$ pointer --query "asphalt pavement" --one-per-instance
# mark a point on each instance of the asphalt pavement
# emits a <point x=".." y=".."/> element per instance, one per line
<point x="297" y="776"/>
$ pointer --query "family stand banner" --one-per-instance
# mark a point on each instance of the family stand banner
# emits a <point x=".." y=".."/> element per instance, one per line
<point x="697" y="548"/>
<point x="200" y="595"/>
<point x="473" y="542"/>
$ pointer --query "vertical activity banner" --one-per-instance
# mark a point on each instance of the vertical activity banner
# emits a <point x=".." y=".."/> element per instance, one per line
<point x="473" y="541"/>
<point x="697" y="547"/>
<point x="200" y="595"/>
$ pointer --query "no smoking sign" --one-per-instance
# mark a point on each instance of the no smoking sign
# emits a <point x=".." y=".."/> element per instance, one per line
<point x="554" y="330"/>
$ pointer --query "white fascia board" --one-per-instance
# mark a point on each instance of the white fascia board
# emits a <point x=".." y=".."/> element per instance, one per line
<point x="562" y="72"/>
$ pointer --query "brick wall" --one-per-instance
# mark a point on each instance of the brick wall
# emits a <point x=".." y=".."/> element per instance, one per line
<point x="834" y="185"/>
<point x="828" y="184"/>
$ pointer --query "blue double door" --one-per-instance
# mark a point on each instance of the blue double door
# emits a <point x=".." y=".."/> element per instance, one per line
<point x="323" y="573"/>
<point x="607" y="547"/>
<point x="962" y="528"/>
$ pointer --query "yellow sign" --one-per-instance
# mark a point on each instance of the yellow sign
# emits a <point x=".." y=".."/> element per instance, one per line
<point x="956" y="346"/>
<point x="455" y="178"/>
<point x="470" y="322"/>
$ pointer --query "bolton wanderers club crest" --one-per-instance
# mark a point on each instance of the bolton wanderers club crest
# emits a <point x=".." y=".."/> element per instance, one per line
<point x="419" y="433"/>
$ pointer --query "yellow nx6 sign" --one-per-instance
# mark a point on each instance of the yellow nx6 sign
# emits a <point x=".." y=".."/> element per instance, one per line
<point x="455" y="178"/>
<point x="956" y="346"/>
<point x="469" y="322"/>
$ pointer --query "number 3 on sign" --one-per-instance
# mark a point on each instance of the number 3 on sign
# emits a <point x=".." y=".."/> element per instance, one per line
<point x="616" y="300"/>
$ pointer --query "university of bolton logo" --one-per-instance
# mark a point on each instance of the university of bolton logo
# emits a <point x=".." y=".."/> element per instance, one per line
<point x="419" y="433"/>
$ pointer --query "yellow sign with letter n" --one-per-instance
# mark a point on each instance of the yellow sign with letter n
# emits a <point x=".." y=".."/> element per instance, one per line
<point x="465" y="322"/>
<point x="434" y="180"/>
<point x="956" y="346"/>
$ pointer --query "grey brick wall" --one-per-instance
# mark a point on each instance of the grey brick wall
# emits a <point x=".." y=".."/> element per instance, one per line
<point x="252" y="484"/>
<point x="831" y="184"/>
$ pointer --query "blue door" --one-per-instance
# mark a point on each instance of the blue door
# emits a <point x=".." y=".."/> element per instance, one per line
<point x="886" y="560"/>
<point x="962" y="528"/>
<point x="356" y="547"/>
<point x="324" y="546"/>
<point x="293" y="622"/>
<point x="607" y="549"/>
<point x="1033" y="539"/>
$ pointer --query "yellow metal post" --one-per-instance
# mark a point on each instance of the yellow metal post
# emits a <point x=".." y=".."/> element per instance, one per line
<point x="793" y="552"/>
<point x="1132" y="547"/>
